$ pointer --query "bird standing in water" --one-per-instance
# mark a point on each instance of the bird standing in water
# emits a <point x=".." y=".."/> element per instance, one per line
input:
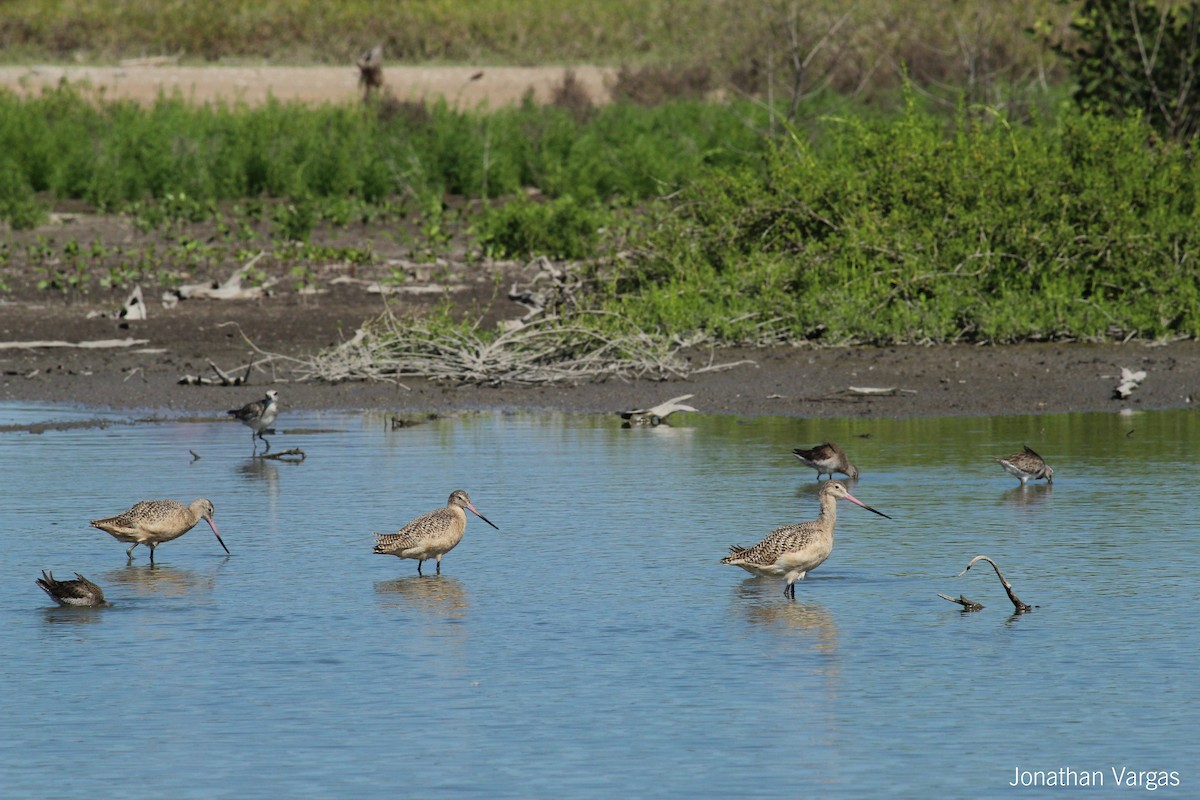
<point x="152" y="522"/>
<point x="1027" y="466"/>
<point x="258" y="417"/>
<point x="827" y="458"/>
<point x="81" y="592"/>
<point x="792" y="551"/>
<point x="430" y="535"/>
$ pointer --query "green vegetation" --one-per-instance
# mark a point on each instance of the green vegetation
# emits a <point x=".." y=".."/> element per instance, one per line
<point x="981" y="209"/>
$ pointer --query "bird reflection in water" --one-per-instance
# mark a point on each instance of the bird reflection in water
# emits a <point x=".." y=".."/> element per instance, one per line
<point x="1028" y="494"/>
<point x="442" y="595"/>
<point x="810" y="620"/>
<point x="159" y="580"/>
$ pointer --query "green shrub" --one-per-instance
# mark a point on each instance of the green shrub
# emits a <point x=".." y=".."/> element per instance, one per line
<point x="561" y="228"/>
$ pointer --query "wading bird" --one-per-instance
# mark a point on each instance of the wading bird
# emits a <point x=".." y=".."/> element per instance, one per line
<point x="792" y="551"/>
<point x="80" y="592"/>
<point x="1026" y="466"/>
<point x="152" y="522"/>
<point x="827" y="458"/>
<point x="258" y="417"/>
<point x="430" y="535"/>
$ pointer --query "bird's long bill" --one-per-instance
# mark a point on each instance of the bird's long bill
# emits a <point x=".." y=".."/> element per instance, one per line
<point x="858" y="502"/>
<point x="213" y="525"/>
<point x="482" y="517"/>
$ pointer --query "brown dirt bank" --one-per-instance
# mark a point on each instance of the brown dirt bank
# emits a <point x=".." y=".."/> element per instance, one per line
<point x="943" y="380"/>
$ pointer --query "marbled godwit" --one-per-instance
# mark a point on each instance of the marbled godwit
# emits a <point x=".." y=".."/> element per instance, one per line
<point x="258" y="417"/>
<point x="793" y="550"/>
<point x="1027" y="465"/>
<point x="827" y="458"/>
<point x="72" y="593"/>
<point x="152" y="522"/>
<point x="430" y="535"/>
<point x="656" y="415"/>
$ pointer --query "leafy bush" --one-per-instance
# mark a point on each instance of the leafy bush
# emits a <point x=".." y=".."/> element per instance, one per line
<point x="898" y="232"/>
<point x="1138" y="58"/>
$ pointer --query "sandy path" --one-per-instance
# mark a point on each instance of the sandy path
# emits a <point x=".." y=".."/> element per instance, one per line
<point x="463" y="86"/>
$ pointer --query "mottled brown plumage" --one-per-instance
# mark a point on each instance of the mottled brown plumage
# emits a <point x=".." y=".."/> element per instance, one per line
<point x="430" y="535"/>
<point x="1026" y="466"/>
<point x="793" y="550"/>
<point x="152" y="522"/>
<point x="81" y="592"/>
<point x="827" y="458"/>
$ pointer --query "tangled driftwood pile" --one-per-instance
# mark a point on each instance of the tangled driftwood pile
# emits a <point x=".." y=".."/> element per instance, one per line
<point x="549" y="350"/>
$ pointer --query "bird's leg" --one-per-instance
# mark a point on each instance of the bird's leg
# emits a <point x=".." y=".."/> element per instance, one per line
<point x="420" y="561"/>
<point x="439" y="565"/>
<point x="129" y="552"/>
<point x="152" y="546"/>
<point x="267" y="445"/>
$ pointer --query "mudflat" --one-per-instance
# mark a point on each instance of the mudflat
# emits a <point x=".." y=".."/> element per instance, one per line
<point x="41" y="360"/>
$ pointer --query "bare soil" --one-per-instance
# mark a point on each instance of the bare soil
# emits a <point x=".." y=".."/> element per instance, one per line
<point x="183" y="340"/>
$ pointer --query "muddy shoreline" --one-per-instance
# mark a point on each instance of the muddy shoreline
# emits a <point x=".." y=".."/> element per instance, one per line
<point x="789" y="381"/>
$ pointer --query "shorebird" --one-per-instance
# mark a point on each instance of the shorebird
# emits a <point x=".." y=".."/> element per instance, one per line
<point x="81" y="592"/>
<point x="827" y="458"/>
<point x="430" y="535"/>
<point x="1026" y="466"/>
<point x="656" y="415"/>
<point x="152" y="522"/>
<point x="794" y="550"/>
<point x="258" y="417"/>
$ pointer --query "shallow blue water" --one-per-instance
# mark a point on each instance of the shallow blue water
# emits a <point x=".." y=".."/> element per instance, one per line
<point x="595" y="646"/>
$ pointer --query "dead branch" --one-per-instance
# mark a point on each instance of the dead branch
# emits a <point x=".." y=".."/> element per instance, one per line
<point x="295" y="454"/>
<point x="968" y="605"/>
<point x="551" y="349"/>
<point x="1020" y="607"/>
<point x="223" y="378"/>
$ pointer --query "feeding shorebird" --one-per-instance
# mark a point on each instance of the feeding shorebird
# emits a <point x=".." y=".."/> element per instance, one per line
<point x="794" y="550"/>
<point x="430" y="535"/>
<point x="656" y="415"/>
<point x="1026" y="466"/>
<point x="152" y="522"/>
<point x="827" y="458"/>
<point x="80" y="592"/>
<point x="258" y="417"/>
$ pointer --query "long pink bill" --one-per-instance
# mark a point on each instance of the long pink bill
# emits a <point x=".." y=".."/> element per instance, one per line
<point x="858" y="502"/>
<point x="481" y="516"/>
<point x="213" y="525"/>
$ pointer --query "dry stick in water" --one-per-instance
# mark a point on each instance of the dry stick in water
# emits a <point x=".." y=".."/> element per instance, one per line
<point x="1020" y="607"/>
<point x="968" y="605"/>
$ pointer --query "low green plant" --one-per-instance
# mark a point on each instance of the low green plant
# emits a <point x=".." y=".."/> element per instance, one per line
<point x="561" y="228"/>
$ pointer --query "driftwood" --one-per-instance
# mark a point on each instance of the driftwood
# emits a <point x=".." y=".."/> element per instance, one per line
<point x="548" y="350"/>
<point x="658" y="414"/>
<point x="223" y="378"/>
<point x="968" y="605"/>
<point x="295" y="454"/>
<point x="94" y="344"/>
<point x="1019" y="607"/>
<point x="1130" y="380"/>
<point x="231" y="289"/>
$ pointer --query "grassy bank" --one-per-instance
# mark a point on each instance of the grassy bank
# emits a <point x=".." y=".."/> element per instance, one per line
<point x="981" y="46"/>
<point x="692" y="217"/>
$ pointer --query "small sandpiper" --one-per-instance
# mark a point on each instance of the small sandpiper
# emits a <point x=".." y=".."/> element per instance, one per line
<point x="1027" y="466"/>
<point x="258" y="417"/>
<point x="827" y="458"/>
<point x="81" y="592"/>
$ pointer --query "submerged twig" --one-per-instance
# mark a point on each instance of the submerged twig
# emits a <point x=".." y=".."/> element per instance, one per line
<point x="968" y="605"/>
<point x="294" y="454"/>
<point x="1020" y="607"/>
